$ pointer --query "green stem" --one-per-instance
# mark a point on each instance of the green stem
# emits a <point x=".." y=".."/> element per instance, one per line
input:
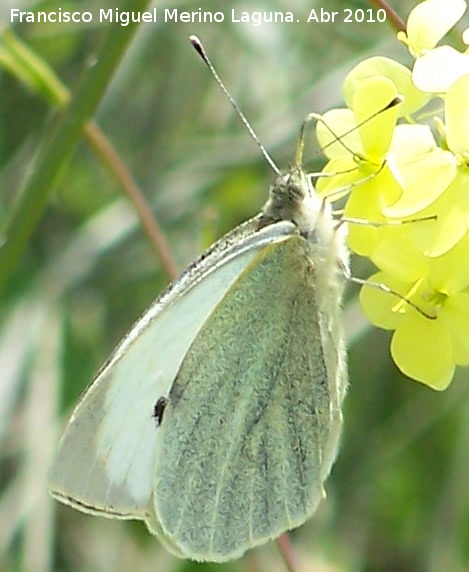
<point x="61" y="141"/>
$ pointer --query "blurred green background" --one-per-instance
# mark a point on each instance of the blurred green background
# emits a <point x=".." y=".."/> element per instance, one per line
<point x="398" y="497"/>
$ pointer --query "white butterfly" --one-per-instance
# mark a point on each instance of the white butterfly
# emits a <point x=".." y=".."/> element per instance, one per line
<point x="217" y="418"/>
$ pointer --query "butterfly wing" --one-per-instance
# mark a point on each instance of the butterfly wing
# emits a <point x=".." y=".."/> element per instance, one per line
<point x="105" y="461"/>
<point x="253" y="419"/>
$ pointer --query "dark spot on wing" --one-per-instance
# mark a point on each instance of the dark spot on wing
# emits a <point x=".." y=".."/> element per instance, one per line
<point x="158" y="410"/>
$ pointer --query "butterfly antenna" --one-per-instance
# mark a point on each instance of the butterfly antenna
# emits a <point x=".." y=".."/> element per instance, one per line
<point x="197" y="44"/>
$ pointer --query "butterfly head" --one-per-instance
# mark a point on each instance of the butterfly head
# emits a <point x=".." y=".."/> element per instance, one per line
<point x="293" y="198"/>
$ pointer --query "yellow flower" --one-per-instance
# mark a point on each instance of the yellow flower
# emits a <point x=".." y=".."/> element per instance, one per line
<point x="436" y="181"/>
<point x="356" y="142"/>
<point x="428" y="22"/>
<point x="391" y="174"/>
<point x="426" y="345"/>
<point x="435" y="68"/>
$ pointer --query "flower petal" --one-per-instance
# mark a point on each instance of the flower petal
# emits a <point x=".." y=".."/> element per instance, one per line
<point x="429" y="21"/>
<point x="378" y="305"/>
<point x="338" y="178"/>
<point x="375" y="121"/>
<point x="424" y="170"/>
<point x="366" y="203"/>
<point x="452" y="210"/>
<point x="401" y="76"/>
<point x="398" y="255"/>
<point x="449" y="273"/>
<point x="438" y="69"/>
<point x="422" y="350"/>
<point x="457" y="116"/>
<point x="337" y="134"/>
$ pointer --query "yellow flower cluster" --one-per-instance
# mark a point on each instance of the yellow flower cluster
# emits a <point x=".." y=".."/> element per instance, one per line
<point x="408" y="162"/>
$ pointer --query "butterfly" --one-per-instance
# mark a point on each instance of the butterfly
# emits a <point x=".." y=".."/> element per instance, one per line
<point x="217" y="418"/>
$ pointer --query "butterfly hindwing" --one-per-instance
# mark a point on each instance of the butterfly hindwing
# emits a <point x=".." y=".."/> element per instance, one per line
<point x="253" y="416"/>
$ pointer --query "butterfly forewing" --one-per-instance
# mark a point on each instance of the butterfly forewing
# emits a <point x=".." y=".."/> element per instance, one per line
<point x="106" y="458"/>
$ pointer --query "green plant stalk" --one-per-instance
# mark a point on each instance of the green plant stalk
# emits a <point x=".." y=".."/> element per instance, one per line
<point x="31" y="70"/>
<point x="61" y="141"/>
<point x="36" y="75"/>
